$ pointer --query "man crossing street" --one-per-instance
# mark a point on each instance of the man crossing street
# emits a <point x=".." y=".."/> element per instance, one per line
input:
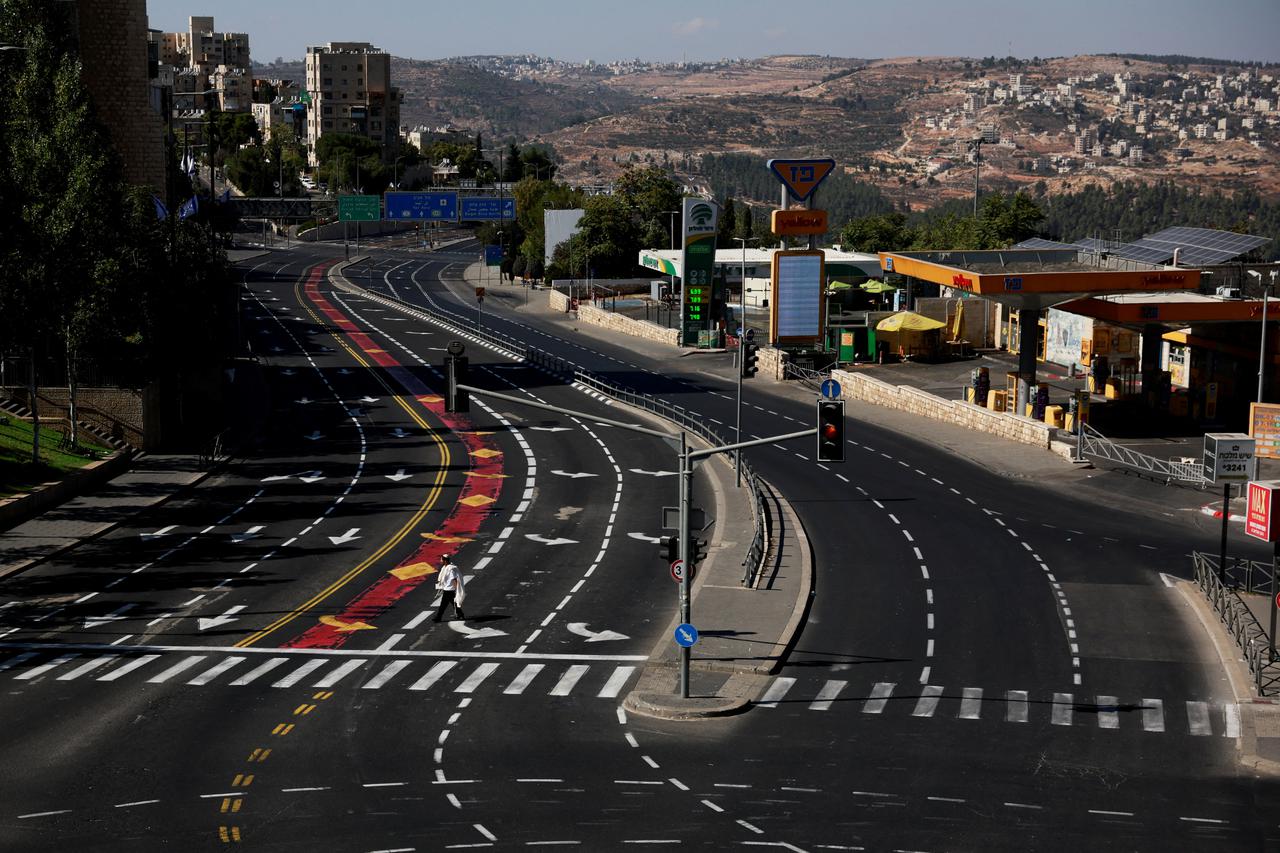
<point x="449" y="585"/>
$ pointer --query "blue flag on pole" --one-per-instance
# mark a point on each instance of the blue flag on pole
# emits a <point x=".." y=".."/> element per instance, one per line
<point x="190" y="207"/>
<point x="162" y="212"/>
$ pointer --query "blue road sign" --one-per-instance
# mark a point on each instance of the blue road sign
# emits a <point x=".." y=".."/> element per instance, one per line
<point x="686" y="635"/>
<point x="831" y="389"/>
<point x="486" y="208"/>
<point x="429" y="206"/>
<point x="492" y="255"/>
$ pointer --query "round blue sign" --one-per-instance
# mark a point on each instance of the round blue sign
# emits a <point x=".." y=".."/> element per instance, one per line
<point x="686" y="635"/>
<point x="830" y="389"/>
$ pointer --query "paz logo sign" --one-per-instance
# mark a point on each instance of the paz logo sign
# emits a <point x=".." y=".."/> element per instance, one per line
<point x="801" y="177"/>
<point x="701" y="218"/>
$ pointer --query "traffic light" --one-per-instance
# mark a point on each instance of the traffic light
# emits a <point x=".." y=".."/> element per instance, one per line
<point x="748" y="358"/>
<point x="697" y="550"/>
<point x="670" y="548"/>
<point x="831" y="430"/>
<point x="455" y="368"/>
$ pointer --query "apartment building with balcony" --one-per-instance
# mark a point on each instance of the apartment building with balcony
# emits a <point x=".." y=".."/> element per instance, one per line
<point x="213" y="60"/>
<point x="350" y="88"/>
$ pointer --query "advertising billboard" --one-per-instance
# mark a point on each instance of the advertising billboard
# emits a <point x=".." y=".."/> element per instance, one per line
<point x="797" y="308"/>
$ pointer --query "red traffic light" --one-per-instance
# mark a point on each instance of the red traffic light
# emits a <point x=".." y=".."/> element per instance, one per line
<point x="830" y="431"/>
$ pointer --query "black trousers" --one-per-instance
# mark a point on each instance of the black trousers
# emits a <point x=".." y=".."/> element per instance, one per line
<point x="446" y="598"/>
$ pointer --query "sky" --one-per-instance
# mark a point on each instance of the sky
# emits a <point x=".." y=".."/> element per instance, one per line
<point x="673" y="30"/>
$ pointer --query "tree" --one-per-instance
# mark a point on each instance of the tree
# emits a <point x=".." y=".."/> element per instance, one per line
<point x="512" y="168"/>
<point x="746" y="222"/>
<point x="728" y="225"/>
<point x="884" y="233"/>
<point x="648" y="190"/>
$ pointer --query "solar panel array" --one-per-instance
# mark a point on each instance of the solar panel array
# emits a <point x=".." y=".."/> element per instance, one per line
<point x="1040" y="243"/>
<point x="1092" y="244"/>
<point x="1205" y="245"/>
<point x="1144" y="250"/>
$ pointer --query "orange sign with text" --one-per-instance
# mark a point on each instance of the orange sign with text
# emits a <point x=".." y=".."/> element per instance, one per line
<point x="801" y="176"/>
<point x="1259" y="514"/>
<point x="796" y="222"/>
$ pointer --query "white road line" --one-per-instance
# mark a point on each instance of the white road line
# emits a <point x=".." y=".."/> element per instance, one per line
<point x="214" y="671"/>
<point x="971" y="703"/>
<point x="928" y="701"/>
<point x="1152" y="715"/>
<point x="45" y="667"/>
<point x="879" y="697"/>
<point x="476" y="678"/>
<point x="258" y="671"/>
<point x="1016" y="707"/>
<point x="775" y="692"/>
<point x="1198" y="718"/>
<point x="433" y="675"/>
<point x="180" y="666"/>
<point x="385" y="674"/>
<point x="86" y="667"/>
<point x="1108" y="717"/>
<point x="616" y="682"/>
<point x="127" y="668"/>
<point x="521" y="681"/>
<point x="1232" y="713"/>
<point x="1110" y="813"/>
<point x="300" y="673"/>
<point x="568" y="680"/>
<point x="827" y="695"/>
<point x="390" y="642"/>
<point x="340" y="673"/>
<point x="1063" y="705"/>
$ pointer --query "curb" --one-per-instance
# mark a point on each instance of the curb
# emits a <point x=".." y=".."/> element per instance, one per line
<point x="1250" y="706"/>
<point x="659" y="705"/>
<point x="1208" y="509"/>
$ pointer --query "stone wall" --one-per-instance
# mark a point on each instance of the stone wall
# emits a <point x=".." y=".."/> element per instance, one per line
<point x="858" y="386"/>
<point x="113" y="53"/>
<point x="627" y="326"/>
<point x="772" y="362"/>
<point x="558" y="301"/>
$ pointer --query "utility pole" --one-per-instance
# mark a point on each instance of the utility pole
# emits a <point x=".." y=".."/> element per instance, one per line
<point x="742" y="337"/>
<point x="975" y="147"/>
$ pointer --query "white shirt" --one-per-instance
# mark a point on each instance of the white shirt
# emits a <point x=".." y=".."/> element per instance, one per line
<point x="450" y="578"/>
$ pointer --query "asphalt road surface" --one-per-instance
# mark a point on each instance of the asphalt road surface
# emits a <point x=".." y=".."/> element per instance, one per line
<point x="986" y="665"/>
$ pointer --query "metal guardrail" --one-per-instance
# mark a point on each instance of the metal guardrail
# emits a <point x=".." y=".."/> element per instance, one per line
<point x="1090" y="442"/>
<point x="810" y="378"/>
<point x="1240" y="623"/>
<point x="687" y="420"/>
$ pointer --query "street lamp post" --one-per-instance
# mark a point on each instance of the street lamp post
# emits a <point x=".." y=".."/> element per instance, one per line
<point x="742" y="336"/>
<point x="395" y="173"/>
<point x="671" y="229"/>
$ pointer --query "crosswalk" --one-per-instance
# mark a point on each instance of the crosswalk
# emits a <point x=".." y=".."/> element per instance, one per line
<point x="1195" y="718"/>
<point x="203" y="669"/>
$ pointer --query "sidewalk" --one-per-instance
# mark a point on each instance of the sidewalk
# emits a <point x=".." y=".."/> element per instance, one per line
<point x="151" y="480"/>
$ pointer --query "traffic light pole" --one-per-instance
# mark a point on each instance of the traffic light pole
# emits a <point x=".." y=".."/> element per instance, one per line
<point x="737" y="424"/>
<point x="687" y="458"/>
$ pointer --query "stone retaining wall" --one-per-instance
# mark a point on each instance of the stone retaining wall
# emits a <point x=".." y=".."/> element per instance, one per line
<point x="557" y="301"/>
<point x="627" y="326"/>
<point x="772" y="362"/>
<point x="857" y="386"/>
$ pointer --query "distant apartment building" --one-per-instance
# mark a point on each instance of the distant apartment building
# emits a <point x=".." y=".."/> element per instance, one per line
<point x="218" y="62"/>
<point x="1067" y="91"/>
<point x="990" y="133"/>
<point x="1135" y="155"/>
<point x="350" y="88"/>
<point x="1262" y="105"/>
<point x="1202" y="131"/>
<point x="974" y="101"/>
<point x="278" y="110"/>
<point x="1085" y="141"/>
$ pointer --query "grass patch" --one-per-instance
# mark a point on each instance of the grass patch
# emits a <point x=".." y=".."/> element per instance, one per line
<point x="18" y="474"/>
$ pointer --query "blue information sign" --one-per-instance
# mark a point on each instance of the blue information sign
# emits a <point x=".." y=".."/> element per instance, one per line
<point x="492" y="255"/>
<point x="830" y="389"/>
<point x="430" y="206"/>
<point x="487" y="208"/>
<point x="686" y="635"/>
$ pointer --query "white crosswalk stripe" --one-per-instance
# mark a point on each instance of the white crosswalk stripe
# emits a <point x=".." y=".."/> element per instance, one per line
<point x="332" y="679"/>
<point x="1016" y="707"/>
<point x="72" y="675"/>
<point x="214" y="671"/>
<point x="1198" y="718"/>
<point x="126" y="668"/>
<point x="1108" y="717"/>
<point x="300" y="673"/>
<point x="928" y="701"/>
<point x="776" y="691"/>
<point x="384" y="675"/>
<point x="258" y="671"/>
<point x="1063" y="705"/>
<point x="612" y="687"/>
<point x="1152" y="715"/>
<point x="827" y="695"/>
<point x="433" y="675"/>
<point x="524" y="679"/>
<point x="16" y="659"/>
<point x="178" y="668"/>
<point x="879" y="698"/>
<point x="476" y="678"/>
<point x="971" y="703"/>
<point x="569" y="679"/>
<point x="37" y="671"/>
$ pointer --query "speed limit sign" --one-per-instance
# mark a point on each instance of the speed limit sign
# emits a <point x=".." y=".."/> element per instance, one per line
<point x="677" y="571"/>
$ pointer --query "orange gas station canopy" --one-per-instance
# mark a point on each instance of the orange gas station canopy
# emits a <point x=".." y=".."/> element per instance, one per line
<point x="1035" y="278"/>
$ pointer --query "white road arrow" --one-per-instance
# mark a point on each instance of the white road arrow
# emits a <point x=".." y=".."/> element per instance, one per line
<point x="275" y="478"/>
<point x="399" y="433"/>
<point x="288" y="371"/>
<point x="367" y="399"/>
<point x="645" y="537"/>
<point x="251" y="533"/>
<point x="476" y="633"/>
<point x="398" y="476"/>
<point x="277" y="349"/>
<point x="538" y="537"/>
<point x="310" y="476"/>
<point x="654" y="473"/>
<point x="206" y="623"/>
<point x="342" y="371"/>
<point x="580" y="628"/>
<point x="349" y="536"/>
<point x="305" y="401"/>
<point x="573" y="474"/>
<point x="316" y="435"/>
<point x="147" y="537"/>
<point x="550" y="429"/>
<point x="102" y="620"/>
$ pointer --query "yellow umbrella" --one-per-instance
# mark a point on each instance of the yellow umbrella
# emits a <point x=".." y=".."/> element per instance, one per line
<point x="908" y="321"/>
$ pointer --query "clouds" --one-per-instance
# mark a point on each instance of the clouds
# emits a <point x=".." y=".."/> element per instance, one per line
<point x="694" y="26"/>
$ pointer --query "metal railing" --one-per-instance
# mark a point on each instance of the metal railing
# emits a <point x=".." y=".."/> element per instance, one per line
<point x="1240" y="623"/>
<point x="810" y="378"/>
<point x="1090" y="442"/>
<point x="571" y="372"/>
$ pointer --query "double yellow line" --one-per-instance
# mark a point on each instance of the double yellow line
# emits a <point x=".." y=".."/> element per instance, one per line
<point x="432" y="496"/>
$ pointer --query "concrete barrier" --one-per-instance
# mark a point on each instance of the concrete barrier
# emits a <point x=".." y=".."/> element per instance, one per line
<point x="15" y="510"/>
<point x="857" y="386"/>
<point x="626" y="325"/>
